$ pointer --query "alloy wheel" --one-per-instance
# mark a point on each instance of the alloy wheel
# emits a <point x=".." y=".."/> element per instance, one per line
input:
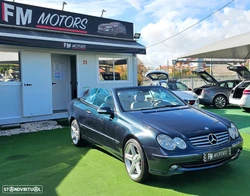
<point x="220" y="101"/>
<point x="134" y="160"/>
<point x="75" y="133"/>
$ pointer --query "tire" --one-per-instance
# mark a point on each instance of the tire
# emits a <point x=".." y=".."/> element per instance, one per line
<point x="135" y="161"/>
<point x="220" y="101"/>
<point x="246" y="109"/>
<point x="75" y="134"/>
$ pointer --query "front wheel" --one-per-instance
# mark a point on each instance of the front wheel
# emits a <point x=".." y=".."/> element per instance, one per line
<point x="135" y="161"/>
<point x="75" y="134"/>
<point x="220" y="101"/>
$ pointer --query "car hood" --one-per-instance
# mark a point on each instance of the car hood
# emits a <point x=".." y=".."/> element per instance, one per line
<point x="188" y="95"/>
<point x="184" y="121"/>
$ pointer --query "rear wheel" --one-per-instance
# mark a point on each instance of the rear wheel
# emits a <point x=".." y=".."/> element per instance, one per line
<point x="220" y="101"/>
<point x="135" y="161"/>
<point x="246" y="109"/>
<point x="75" y="134"/>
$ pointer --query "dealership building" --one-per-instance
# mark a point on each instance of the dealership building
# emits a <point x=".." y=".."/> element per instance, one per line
<point x="48" y="57"/>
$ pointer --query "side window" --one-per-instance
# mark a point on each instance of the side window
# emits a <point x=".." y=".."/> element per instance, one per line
<point x="90" y="96"/>
<point x="100" y="97"/>
<point x="181" y="86"/>
<point x="245" y="84"/>
<point x="223" y="84"/>
<point x="164" y="84"/>
<point x="96" y="96"/>
<point x="9" y="67"/>
<point x="230" y="84"/>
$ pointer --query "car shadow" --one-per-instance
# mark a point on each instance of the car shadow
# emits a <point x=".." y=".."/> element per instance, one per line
<point x="44" y="158"/>
<point x="49" y="158"/>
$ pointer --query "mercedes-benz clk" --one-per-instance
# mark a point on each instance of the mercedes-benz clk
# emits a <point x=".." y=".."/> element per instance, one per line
<point x="153" y="131"/>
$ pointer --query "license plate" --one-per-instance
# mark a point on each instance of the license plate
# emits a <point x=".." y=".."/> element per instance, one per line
<point x="211" y="156"/>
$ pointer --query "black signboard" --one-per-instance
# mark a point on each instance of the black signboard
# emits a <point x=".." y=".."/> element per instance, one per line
<point x="27" y="16"/>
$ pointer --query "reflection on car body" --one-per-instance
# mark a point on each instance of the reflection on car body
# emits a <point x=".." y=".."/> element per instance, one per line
<point x="153" y="131"/>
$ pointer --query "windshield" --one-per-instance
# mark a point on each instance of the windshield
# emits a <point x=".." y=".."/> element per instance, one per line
<point x="147" y="98"/>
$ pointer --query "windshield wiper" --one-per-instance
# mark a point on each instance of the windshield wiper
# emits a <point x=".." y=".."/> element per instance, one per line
<point x="167" y="106"/>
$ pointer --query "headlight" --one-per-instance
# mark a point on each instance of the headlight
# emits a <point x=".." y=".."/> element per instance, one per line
<point x="180" y="143"/>
<point x="233" y="131"/>
<point x="168" y="143"/>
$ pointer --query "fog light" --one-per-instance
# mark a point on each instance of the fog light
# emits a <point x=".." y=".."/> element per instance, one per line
<point x="174" y="167"/>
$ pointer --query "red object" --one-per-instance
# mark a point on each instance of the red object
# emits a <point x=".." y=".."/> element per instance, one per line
<point x="246" y="92"/>
<point x="191" y="102"/>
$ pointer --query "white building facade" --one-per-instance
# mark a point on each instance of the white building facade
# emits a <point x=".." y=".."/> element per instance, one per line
<point x="48" y="57"/>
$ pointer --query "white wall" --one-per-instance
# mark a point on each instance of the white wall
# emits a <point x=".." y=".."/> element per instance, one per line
<point x="10" y="100"/>
<point x="88" y="74"/>
<point x="33" y="60"/>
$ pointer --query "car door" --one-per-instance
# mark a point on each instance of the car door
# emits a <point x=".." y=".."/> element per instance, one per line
<point x="101" y="126"/>
<point x="227" y="86"/>
<point x="87" y="108"/>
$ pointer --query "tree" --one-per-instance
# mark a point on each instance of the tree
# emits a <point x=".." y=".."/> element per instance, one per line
<point x="141" y="70"/>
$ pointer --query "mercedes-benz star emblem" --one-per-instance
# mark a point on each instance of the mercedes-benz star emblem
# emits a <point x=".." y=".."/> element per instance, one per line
<point x="212" y="139"/>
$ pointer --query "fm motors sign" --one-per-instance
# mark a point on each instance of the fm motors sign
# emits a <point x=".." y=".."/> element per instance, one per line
<point x="21" y="15"/>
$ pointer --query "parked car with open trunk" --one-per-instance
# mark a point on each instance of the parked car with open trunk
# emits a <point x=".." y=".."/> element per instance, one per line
<point x="215" y="92"/>
<point x="240" y="94"/>
<point x="160" y="78"/>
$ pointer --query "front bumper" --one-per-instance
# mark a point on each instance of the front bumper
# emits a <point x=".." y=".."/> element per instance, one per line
<point x="165" y="165"/>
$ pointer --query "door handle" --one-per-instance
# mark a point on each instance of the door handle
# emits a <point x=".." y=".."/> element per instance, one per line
<point x="27" y="84"/>
<point x="88" y="112"/>
<point x="53" y="83"/>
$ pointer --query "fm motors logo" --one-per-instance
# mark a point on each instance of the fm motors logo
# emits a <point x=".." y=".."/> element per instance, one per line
<point x="74" y="46"/>
<point x="22" y="16"/>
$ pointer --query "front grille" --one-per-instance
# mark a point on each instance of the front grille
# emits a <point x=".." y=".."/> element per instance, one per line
<point x="203" y="140"/>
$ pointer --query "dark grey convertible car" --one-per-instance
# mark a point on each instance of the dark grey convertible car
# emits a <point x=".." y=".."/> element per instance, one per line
<point x="153" y="131"/>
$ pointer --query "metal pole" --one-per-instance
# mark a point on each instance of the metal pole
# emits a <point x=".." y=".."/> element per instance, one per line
<point x="103" y="12"/>
<point x="64" y="3"/>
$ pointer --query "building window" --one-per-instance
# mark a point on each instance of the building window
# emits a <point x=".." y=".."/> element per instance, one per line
<point x="9" y="67"/>
<point x="111" y="69"/>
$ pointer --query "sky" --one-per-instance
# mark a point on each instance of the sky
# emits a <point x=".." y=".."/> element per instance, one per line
<point x="159" y="21"/>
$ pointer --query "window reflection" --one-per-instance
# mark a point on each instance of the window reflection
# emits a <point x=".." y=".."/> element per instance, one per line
<point x="113" y="68"/>
<point x="9" y="67"/>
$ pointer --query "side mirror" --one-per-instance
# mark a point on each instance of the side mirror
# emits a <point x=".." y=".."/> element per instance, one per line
<point x="105" y="110"/>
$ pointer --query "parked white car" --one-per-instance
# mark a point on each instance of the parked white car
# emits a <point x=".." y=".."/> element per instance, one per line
<point x="240" y="94"/>
<point x="160" y="78"/>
